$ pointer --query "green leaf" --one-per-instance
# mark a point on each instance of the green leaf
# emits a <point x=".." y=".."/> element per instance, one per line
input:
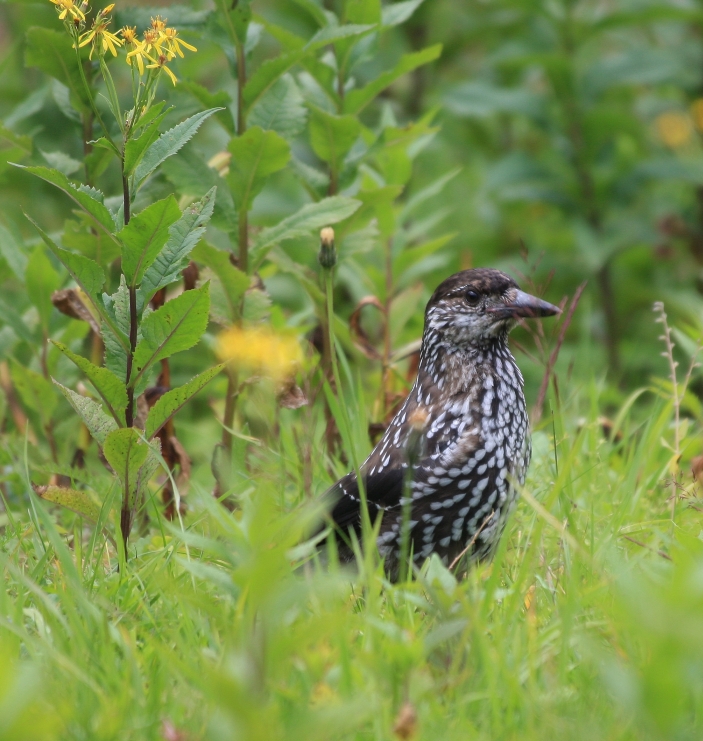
<point x="80" y="502"/>
<point x="115" y="334"/>
<point x="176" y="326"/>
<point x="362" y="11"/>
<point x="144" y="237"/>
<point x="220" y="99"/>
<point x="356" y="100"/>
<point x="268" y="72"/>
<point x="98" y="423"/>
<point x="41" y="280"/>
<point x="309" y="218"/>
<point x="135" y="148"/>
<point x="89" y="199"/>
<point x="234" y="282"/>
<point x="396" y="13"/>
<point x="255" y="155"/>
<point x="13" y="252"/>
<point x="126" y="453"/>
<point x="169" y="143"/>
<point x="331" y="137"/>
<point x="52" y="52"/>
<point x="429" y="191"/>
<point x="87" y="273"/>
<point x="476" y="99"/>
<point x="18" y="140"/>
<point x="35" y="391"/>
<point x="281" y="109"/>
<point x="173" y="400"/>
<point x="112" y="391"/>
<point x="183" y="236"/>
<point x="62" y="162"/>
<point x="10" y="316"/>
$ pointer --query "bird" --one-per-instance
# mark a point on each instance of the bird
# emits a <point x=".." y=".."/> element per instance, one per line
<point x="444" y="476"/>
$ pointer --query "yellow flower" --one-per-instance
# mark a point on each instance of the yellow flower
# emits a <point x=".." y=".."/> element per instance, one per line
<point x="158" y="24"/>
<point x="174" y="43"/>
<point x="260" y="351"/>
<point x="674" y="128"/>
<point x="68" y="7"/>
<point x="160" y="63"/>
<point x="99" y="34"/>
<point x="129" y="34"/>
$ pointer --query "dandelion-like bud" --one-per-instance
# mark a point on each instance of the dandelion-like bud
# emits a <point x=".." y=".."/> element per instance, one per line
<point x="327" y="256"/>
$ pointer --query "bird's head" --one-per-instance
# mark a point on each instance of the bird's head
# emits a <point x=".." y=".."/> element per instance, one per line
<point x="474" y="306"/>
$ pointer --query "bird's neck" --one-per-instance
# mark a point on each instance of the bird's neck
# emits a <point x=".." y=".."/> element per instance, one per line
<point x="451" y="369"/>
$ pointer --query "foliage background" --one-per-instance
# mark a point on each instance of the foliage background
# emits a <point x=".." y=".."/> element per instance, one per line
<point x="568" y="144"/>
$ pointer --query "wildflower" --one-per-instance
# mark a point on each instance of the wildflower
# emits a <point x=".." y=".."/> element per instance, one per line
<point x="158" y="24"/>
<point x="129" y="35"/>
<point x="68" y="7"/>
<point x="674" y="129"/>
<point x="220" y="163"/>
<point x="99" y="34"/>
<point x="160" y="63"/>
<point x="174" y="43"/>
<point x="260" y="351"/>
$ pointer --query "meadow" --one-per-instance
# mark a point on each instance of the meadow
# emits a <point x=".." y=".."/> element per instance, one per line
<point x="185" y="367"/>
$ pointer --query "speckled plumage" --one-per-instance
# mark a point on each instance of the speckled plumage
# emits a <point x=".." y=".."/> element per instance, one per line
<point x="474" y="439"/>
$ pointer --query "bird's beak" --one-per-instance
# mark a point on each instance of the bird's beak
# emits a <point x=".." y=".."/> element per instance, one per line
<point x="525" y="305"/>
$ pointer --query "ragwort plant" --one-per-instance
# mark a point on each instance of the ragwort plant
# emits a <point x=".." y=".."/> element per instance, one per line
<point x="153" y="245"/>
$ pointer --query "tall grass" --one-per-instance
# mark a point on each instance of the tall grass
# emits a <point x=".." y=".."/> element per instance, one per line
<point x="588" y="624"/>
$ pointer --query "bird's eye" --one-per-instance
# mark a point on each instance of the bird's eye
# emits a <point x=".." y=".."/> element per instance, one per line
<point x="472" y="297"/>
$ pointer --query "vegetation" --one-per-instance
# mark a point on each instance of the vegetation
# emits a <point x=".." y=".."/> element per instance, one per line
<point x="219" y="225"/>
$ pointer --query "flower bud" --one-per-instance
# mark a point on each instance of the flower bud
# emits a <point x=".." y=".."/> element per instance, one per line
<point x="327" y="255"/>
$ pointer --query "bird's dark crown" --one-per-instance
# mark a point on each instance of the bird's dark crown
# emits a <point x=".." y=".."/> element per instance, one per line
<point x="485" y="281"/>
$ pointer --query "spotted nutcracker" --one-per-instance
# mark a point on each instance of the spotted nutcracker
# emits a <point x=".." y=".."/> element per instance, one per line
<point x="448" y="463"/>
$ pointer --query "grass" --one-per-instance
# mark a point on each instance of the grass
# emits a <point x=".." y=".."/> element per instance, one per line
<point x="588" y="624"/>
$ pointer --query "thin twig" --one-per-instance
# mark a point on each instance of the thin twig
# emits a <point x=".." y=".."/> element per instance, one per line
<point x="551" y="362"/>
<point x="472" y="541"/>
<point x="649" y="548"/>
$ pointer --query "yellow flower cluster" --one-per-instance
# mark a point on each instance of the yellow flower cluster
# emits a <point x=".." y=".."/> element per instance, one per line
<point x="158" y="46"/>
<point x="260" y="351"/>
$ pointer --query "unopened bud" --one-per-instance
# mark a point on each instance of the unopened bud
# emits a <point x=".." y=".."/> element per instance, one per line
<point x="327" y="255"/>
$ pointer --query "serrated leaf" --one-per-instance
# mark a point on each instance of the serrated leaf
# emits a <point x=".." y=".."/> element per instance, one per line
<point x="281" y="109"/>
<point x="98" y="423"/>
<point x="173" y="400"/>
<point x="126" y="453"/>
<point x="86" y="199"/>
<point x="80" y="502"/>
<point x="41" y="281"/>
<point x="183" y="236"/>
<point x="144" y="237"/>
<point x="176" y="326"/>
<point x="357" y="100"/>
<point x="35" y="391"/>
<point x="111" y="389"/>
<point x="52" y="52"/>
<point x="309" y="218"/>
<point x="331" y="137"/>
<point x="255" y="155"/>
<point x="87" y="273"/>
<point x="169" y="143"/>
